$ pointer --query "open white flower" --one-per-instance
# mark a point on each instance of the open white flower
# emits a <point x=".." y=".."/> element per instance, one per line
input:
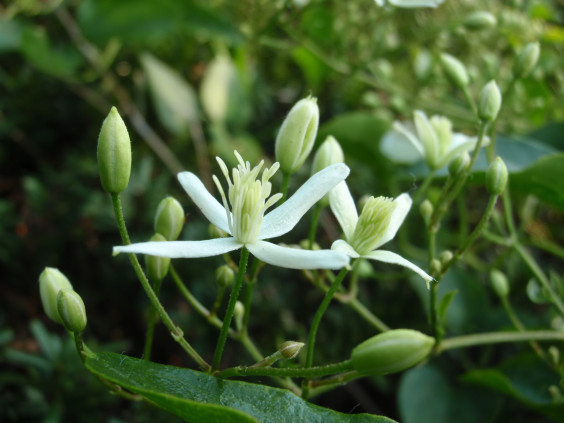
<point x="246" y="222"/>
<point x="431" y="139"/>
<point x="378" y="223"/>
<point x="410" y="3"/>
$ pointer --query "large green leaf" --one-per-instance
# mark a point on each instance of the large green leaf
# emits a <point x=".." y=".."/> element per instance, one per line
<point x="199" y="397"/>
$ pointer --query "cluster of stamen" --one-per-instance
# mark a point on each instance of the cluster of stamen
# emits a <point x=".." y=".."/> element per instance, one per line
<point x="248" y="196"/>
<point x="372" y="223"/>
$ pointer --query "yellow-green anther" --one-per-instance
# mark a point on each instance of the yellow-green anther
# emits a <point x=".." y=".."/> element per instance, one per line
<point x="455" y="70"/>
<point x="459" y="164"/>
<point x="496" y="177"/>
<point x="426" y="209"/>
<point x="224" y="276"/>
<point x="157" y="267"/>
<point x="480" y="19"/>
<point x="297" y="135"/>
<point x="373" y="221"/>
<point x="72" y="311"/>
<point x="499" y="283"/>
<point x="169" y="218"/>
<point x="114" y="153"/>
<point x="391" y="351"/>
<point x="526" y="60"/>
<point x="490" y="102"/>
<point x="330" y="152"/>
<point x="290" y="349"/>
<point x="51" y="281"/>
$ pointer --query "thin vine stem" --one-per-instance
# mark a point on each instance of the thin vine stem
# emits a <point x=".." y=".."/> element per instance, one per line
<point x="151" y="324"/>
<point x="310" y="372"/>
<point x="498" y="338"/>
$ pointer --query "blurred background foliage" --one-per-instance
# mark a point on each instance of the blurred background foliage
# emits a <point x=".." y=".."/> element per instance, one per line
<point x="198" y="78"/>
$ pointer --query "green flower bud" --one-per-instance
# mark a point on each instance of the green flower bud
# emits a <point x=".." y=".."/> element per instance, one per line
<point x="526" y="60"/>
<point x="238" y="314"/>
<point x="297" y="135"/>
<point x="435" y="267"/>
<point x="445" y="257"/>
<point x="496" y="177"/>
<point x="71" y="309"/>
<point x="224" y="276"/>
<point x="330" y="152"/>
<point x="459" y="164"/>
<point x="490" y="102"/>
<point x="114" y="153"/>
<point x="391" y="352"/>
<point x="455" y="70"/>
<point x="169" y="218"/>
<point x="480" y="19"/>
<point x="51" y="281"/>
<point x="554" y="354"/>
<point x="426" y="209"/>
<point x="499" y="283"/>
<point x="290" y="349"/>
<point x="157" y="267"/>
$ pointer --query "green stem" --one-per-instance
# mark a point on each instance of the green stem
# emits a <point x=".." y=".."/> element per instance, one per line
<point x="367" y="315"/>
<point x="470" y="100"/>
<point x="218" y="300"/>
<point x="498" y="338"/>
<point x="284" y="187"/>
<point x="424" y="186"/>
<point x="323" y="385"/>
<point x="319" y="371"/>
<point x="175" y="331"/>
<point x="151" y="324"/>
<point x="434" y="311"/>
<point x="314" y="222"/>
<point x="230" y="309"/>
<point x="249" y="289"/>
<point x="80" y="346"/>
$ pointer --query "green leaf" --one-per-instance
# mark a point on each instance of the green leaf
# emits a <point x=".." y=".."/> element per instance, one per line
<point x="444" y="304"/>
<point x="51" y="345"/>
<point x="199" y="397"/>
<point x="543" y="179"/>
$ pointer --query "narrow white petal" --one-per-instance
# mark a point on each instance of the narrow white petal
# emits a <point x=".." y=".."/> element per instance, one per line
<point x="295" y="258"/>
<point x="401" y="145"/>
<point x="345" y="248"/>
<point x="343" y="207"/>
<point x="403" y="205"/>
<point x="210" y="207"/>
<point x="284" y="218"/>
<point x="428" y="136"/>
<point x="415" y="3"/>
<point x="393" y="258"/>
<point x="182" y="249"/>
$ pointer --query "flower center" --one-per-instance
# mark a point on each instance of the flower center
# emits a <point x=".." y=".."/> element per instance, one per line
<point x="248" y="196"/>
<point x="372" y="223"/>
<point x="443" y="130"/>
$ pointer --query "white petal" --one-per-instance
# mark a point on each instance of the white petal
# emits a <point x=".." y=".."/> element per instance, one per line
<point x="428" y="137"/>
<point x="459" y="144"/>
<point x="393" y="258"/>
<point x="294" y="258"/>
<point x="210" y="207"/>
<point x="182" y="249"/>
<point x="400" y="145"/>
<point x="342" y="206"/>
<point x="403" y="205"/>
<point x="415" y="3"/>
<point x="284" y="218"/>
<point x="345" y="248"/>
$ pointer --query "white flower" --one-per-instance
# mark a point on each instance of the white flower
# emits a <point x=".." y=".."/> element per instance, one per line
<point x="411" y="3"/>
<point x="246" y="222"/>
<point x="378" y="223"/>
<point x="431" y="139"/>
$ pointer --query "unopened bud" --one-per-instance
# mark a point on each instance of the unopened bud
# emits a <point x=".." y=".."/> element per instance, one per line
<point x="51" y="281"/>
<point x="554" y="354"/>
<point x="114" y="153"/>
<point x="169" y="218"/>
<point x="224" y="276"/>
<point x="499" y="283"/>
<point x="480" y="19"/>
<point x="391" y="351"/>
<point x="435" y="267"/>
<point x="490" y="102"/>
<point x="238" y="314"/>
<point x="157" y="267"/>
<point x="496" y="177"/>
<point x="330" y="152"/>
<point x="297" y="135"/>
<point x="455" y="70"/>
<point x="445" y="257"/>
<point x="426" y="209"/>
<point x="526" y="60"/>
<point x="459" y="164"/>
<point x="72" y="311"/>
<point x="290" y="349"/>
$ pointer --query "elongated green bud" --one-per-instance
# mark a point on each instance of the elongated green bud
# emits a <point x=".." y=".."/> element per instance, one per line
<point x="426" y="209"/>
<point x="169" y="218"/>
<point x="459" y="164"/>
<point x="157" y="267"/>
<point x="51" y="281"/>
<point x="330" y="152"/>
<point x="238" y="314"/>
<point x="297" y="135"/>
<point x="71" y="309"/>
<point x="499" y="283"/>
<point x="480" y="19"/>
<point x="391" y="351"/>
<point x="455" y="70"/>
<point x="490" y="102"/>
<point x="527" y="60"/>
<point x="224" y="276"/>
<point x="114" y="153"/>
<point x="496" y="177"/>
<point x="290" y="349"/>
